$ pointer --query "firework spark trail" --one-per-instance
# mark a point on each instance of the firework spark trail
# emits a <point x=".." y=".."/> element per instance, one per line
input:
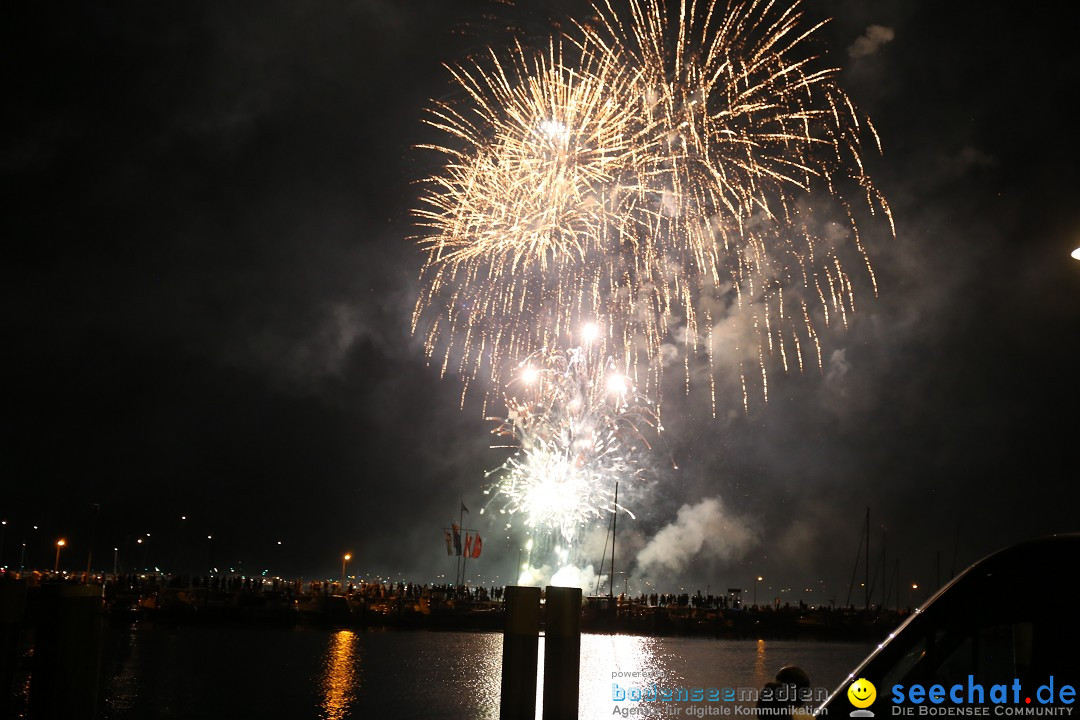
<point x="578" y="427"/>
<point x="661" y="175"/>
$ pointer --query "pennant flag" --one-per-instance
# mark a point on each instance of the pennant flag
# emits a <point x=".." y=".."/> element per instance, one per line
<point x="448" y="550"/>
<point x="463" y="508"/>
<point x="468" y="545"/>
<point x="476" y="546"/>
<point x="457" y="537"/>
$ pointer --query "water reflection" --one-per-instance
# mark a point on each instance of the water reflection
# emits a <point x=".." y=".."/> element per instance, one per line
<point x="123" y="689"/>
<point x="221" y="673"/>
<point x="635" y="664"/>
<point x="481" y="678"/>
<point x="761" y="673"/>
<point x="339" y="680"/>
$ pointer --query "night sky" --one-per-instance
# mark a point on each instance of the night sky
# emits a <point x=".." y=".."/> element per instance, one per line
<point x="208" y="284"/>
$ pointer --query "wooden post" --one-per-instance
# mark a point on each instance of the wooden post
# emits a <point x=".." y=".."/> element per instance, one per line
<point x="521" y="646"/>
<point x="562" y="652"/>
<point x="69" y="635"/>
<point x="12" y="614"/>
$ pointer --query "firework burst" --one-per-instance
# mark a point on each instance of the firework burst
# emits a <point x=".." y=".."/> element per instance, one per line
<point x="525" y="208"/>
<point x="669" y="176"/>
<point x="577" y="427"/>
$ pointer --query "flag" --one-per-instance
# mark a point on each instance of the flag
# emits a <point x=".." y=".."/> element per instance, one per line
<point x="447" y="534"/>
<point x="468" y="545"/>
<point x="463" y="508"/>
<point x="457" y="537"/>
<point x="476" y="546"/>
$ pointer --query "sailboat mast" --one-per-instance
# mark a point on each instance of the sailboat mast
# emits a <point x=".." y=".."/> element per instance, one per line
<point x="614" y="518"/>
<point x="867" y="583"/>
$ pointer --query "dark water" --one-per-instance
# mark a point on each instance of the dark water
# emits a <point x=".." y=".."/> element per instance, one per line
<point x="297" y="673"/>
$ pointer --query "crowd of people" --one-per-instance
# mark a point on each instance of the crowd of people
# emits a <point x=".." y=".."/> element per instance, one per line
<point x="382" y="590"/>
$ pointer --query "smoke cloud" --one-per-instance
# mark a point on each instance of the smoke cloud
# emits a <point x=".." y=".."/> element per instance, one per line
<point x="705" y="530"/>
<point x="838" y="366"/>
<point x="585" y="578"/>
<point x="871" y="41"/>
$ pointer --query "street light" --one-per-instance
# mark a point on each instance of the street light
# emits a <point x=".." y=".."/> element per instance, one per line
<point x="344" y="560"/>
<point x="756" y="581"/>
<point x="59" y="544"/>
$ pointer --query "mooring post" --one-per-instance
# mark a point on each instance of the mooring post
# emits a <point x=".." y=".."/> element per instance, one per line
<point x="562" y="652"/>
<point x="68" y="639"/>
<point x="12" y="610"/>
<point x="521" y="645"/>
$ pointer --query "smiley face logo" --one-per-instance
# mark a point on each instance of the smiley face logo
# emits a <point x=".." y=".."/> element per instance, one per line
<point x="862" y="693"/>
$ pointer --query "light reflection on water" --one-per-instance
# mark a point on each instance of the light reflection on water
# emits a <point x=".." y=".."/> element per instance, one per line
<point x="228" y="672"/>
<point x="681" y="662"/>
<point x="340" y="675"/>
<point x="761" y="674"/>
<point x="628" y="660"/>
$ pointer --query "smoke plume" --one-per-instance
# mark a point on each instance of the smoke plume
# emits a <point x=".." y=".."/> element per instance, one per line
<point x="871" y="41"/>
<point x="705" y="530"/>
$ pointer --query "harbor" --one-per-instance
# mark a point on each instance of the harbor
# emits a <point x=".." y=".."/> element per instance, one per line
<point x="234" y="659"/>
<point x="169" y="600"/>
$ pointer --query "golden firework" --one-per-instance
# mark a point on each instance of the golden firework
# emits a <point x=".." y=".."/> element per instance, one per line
<point x="675" y="179"/>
